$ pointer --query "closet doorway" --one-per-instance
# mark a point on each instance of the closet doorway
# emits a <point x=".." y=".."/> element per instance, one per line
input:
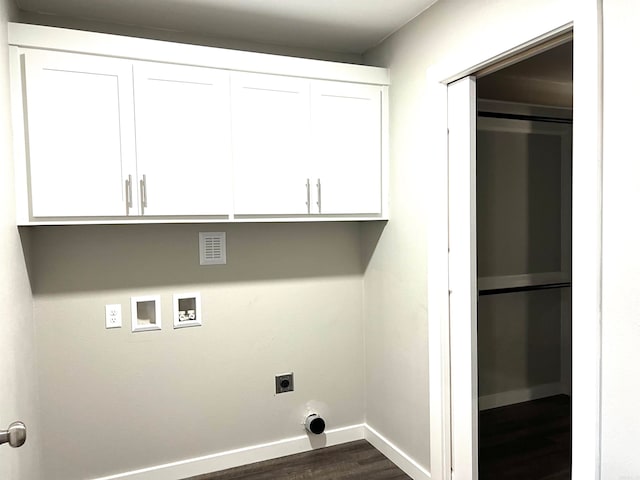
<point x="523" y="227"/>
<point x="510" y="227"/>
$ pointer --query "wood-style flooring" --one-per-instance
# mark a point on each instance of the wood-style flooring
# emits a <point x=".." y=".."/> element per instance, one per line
<point x="526" y="441"/>
<point x="349" y="461"/>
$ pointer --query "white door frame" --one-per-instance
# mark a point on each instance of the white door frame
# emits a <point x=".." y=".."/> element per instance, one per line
<point x="463" y="277"/>
<point x="586" y="252"/>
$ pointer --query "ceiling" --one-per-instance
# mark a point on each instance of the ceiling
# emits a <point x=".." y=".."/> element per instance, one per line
<point x="554" y="65"/>
<point x="349" y="26"/>
<point x="545" y="79"/>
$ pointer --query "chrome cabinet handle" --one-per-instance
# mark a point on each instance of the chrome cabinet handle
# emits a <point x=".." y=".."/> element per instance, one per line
<point x="308" y="196"/>
<point x="319" y="202"/>
<point x="143" y="191"/>
<point x="128" y="194"/>
<point x="15" y="435"/>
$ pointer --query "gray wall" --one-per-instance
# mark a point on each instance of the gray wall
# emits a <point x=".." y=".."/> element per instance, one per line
<point x="18" y="392"/>
<point x="519" y="225"/>
<point x="395" y="281"/>
<point x="450" y="33"/>
<point x="519" y="194"/>
<point x="289" y="299"/>
<point x="519" y="341"/>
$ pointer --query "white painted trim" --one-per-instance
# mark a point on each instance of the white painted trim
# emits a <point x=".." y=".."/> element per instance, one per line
<point x="268" y="451"/>
<point x="384" y="150"/>
<point x="243" y="456"/>
<point x="463" y="277"/>
<point x="456" y="72"/>
<point x="63" y="39"/>
<point x="501" y="399"/>
<point x="587" y="247"/>
<point x="235" y="219"/>
<point x="438" y="280"/>
<point x="22" y="182"/>
<point x="403" y="461"/>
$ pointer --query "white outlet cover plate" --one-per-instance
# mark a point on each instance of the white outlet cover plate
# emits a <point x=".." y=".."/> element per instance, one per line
<point x="113" y="315"/>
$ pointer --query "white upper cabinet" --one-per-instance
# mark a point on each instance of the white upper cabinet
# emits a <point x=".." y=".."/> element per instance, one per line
<point x="270" y="144"/>
<point x="111" y="129"/>
<point x="183" y="139"/>
<point x="306" y="147"/>
<point x="346" y="147"/>
<point x="79" y="115"/>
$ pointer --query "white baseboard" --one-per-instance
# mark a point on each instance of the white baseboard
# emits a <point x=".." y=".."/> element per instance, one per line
<point x="403" y="461"/>
<point x="243" y="456"/>
<point x="523" y="395"/>
<point x="290" y="446"/>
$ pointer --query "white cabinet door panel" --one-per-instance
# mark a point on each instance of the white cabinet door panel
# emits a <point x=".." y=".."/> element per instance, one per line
<point x="346" y="132"/>
<point x="183" y="132"/>
<point x="80" y="134"/>
<point x="270" y="144"/>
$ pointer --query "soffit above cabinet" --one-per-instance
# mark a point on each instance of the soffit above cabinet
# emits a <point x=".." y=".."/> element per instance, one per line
<point x="352" y="27"/>
<point x="63" y="39"/>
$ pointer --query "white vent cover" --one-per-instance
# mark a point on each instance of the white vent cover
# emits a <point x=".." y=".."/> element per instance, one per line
<point x="213" y="248"/>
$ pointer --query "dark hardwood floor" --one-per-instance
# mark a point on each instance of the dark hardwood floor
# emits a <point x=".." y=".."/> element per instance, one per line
<point x="349" y="461"/>
<point x="526" y="441"/>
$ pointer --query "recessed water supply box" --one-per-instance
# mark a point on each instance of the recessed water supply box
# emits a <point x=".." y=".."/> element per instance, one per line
<point x="145" y="313"/>
<point x="187" y="310"/>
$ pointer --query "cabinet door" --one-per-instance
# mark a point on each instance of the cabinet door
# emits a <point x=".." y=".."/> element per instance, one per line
<point x="183" y="139"/>
<point x="346" y="132"/>
<point x="270" y="144"/>
<point x="80" y="134"/>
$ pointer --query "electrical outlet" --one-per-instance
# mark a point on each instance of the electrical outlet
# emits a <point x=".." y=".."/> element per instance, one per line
<point x="284" y="383"/>
<point x="113" y="316"/>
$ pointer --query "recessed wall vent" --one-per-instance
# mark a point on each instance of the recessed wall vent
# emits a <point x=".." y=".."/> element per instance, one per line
<point x="213" y="248"/>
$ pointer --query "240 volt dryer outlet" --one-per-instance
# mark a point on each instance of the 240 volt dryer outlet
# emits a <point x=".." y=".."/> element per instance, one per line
<point x="284" y="383"/>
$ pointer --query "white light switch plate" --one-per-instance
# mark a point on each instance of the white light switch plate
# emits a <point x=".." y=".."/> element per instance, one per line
<point x="113" y="316"/>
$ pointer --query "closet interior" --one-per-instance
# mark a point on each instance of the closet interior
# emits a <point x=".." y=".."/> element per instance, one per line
<point x="523" y="190"/>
